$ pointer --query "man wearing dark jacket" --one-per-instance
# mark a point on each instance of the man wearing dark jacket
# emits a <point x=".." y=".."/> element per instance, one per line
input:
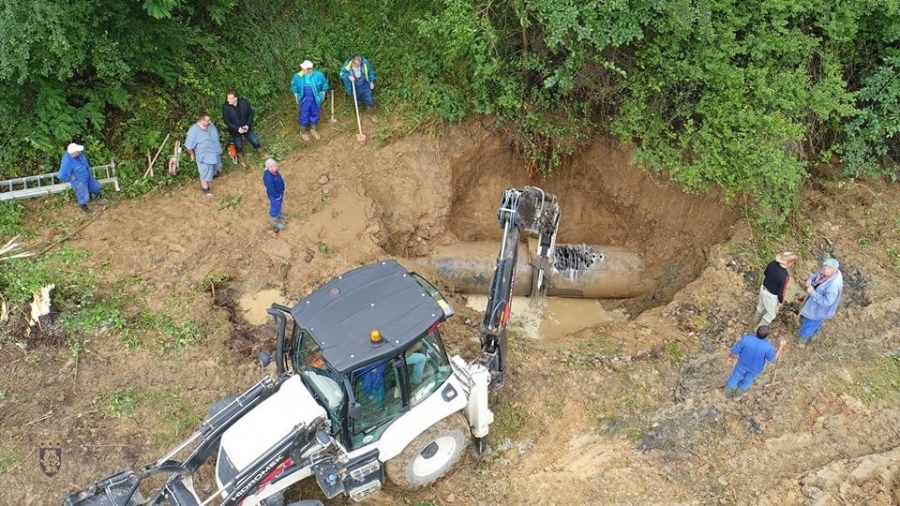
<point x="238" y="116"/>
<point x="774" y="287"/>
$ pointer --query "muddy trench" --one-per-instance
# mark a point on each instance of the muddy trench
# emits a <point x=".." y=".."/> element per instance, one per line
<point x="604" y="201"/>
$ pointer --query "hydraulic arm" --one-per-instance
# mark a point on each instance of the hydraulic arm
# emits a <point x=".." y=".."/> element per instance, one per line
<point x="533" y="213"/>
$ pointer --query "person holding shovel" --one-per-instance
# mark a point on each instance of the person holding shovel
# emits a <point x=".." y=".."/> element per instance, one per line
<point x="309" y="87"/>
<point x="750" y="355"/>
<point x="358" y="74"/>
<point x="274" y="184"/>
<point x="823" y="294"/>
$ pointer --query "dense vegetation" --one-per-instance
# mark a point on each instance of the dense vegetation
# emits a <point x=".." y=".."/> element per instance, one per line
<point x="750" y="96"/>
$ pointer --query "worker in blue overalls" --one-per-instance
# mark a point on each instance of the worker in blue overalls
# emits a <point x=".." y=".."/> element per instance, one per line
<point x="358" y="73"/>
<point x="75" y="170"/>
<point x="309" y="87"/>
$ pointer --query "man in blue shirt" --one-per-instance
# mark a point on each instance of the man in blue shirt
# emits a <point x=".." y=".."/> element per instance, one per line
<point x="75" y="169"/>
<point x="274" y="184"/>
<point x="203" y="145"/>
<point x="309" y="87"/>
<point x="750" y="355"/>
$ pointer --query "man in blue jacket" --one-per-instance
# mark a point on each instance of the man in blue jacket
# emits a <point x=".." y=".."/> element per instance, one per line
<point x="824" y="290"/>
<point x="750" y="355"/>
<point x="274" y="184"/>
<point x="309" y="87"/>
<point x="75" y="169"/>
<point x="359" y="72"/>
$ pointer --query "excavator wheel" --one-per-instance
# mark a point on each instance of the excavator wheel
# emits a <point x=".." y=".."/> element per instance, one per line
<point x="219" y="406"/>
<point x="431" y="454"/>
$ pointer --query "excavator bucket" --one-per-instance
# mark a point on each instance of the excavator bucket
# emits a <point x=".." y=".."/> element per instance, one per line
<point x="116" y="490"/>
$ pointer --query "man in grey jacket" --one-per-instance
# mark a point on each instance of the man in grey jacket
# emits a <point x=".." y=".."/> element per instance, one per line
<point x="824" y="289"/>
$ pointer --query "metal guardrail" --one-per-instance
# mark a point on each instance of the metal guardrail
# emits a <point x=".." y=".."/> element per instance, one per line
<point x="46" y="184"/>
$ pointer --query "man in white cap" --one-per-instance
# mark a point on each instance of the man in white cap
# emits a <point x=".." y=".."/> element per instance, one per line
<point x="75" y="169"/>
<point x="824" y="290"/>
<point x="309" y="87"/>
<point x="774" y="287"/>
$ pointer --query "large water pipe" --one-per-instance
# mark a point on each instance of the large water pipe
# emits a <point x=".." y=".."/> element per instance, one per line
<point x="579" y="270"/>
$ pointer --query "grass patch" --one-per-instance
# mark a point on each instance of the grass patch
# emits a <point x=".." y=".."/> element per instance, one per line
<point x="675" y="351"/>
<point x="555" y="407"/>
<point x="177" y="416"/>
<point x="585" y="352"/>
<point x="212" y="279"/>
<point x="894" y="255"/>
<point x="64" y="267"/>
<point x="172" y="335"/>
<point x="881" y="381"/>
<point x="106" y="313"/>
<point x="12" y="216"/>
<point x="510" y="420"/>
<point x="124" y="402"/>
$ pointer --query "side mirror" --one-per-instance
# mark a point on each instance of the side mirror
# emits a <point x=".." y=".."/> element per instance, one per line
<point x="355" y="410"/>
<point x="264" y="358"/>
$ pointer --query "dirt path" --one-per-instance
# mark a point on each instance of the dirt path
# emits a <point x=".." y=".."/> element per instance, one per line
<point x="626" y="411"/>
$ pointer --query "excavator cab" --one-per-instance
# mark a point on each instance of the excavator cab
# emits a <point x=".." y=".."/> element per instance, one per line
<point x="368" y="347"/>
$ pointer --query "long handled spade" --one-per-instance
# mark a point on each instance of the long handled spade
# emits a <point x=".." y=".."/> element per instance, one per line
<point x="774" y="380"/>
<point x="332" y="120"/>
<point x="360" y="137"/>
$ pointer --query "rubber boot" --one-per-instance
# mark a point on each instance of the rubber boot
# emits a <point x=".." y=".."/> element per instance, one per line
<point x="86" y="210"/>
<point x="729" y="392"/>
<point x="241" y="158"/>
<point x="284" y="216"/>
<point x="372" y="114"/>
<point x="261" y="152"/>
<point x="738" y="392"/>
<point x="303" y="134"/>
<point x="277" y="224"/>
<point x="312" y="130"/>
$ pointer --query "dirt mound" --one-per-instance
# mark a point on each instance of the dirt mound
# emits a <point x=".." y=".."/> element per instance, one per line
<point x="626" y="411"/>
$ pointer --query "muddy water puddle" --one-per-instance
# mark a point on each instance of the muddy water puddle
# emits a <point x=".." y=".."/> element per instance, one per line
<point x="253" y="305"/>
<point x="551" y="318"/>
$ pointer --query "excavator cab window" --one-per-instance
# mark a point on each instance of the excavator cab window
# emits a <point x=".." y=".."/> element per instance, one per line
<point x="386" y="389"/>
<point x="378" y="390"/>
<point x="427" y="366"/>
<point x="323" y="382"/>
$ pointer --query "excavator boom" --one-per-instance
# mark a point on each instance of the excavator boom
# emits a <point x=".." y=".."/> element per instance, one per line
<point x="528" y="212"/>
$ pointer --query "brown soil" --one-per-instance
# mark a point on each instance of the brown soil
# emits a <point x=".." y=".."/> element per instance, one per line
<point x="627" y="411"/>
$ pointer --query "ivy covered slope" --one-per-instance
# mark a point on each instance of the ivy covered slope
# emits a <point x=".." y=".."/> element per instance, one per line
<point x="750" y="96"/>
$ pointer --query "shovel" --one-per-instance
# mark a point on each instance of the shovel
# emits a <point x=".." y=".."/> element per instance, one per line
<point x="332" y="120"/>
<point x="360" y="137"/>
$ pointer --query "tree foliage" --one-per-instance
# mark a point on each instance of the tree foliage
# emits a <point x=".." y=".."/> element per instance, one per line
<point x="741" y="95"/>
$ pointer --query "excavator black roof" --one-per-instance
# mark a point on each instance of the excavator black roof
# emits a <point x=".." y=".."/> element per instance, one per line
<point x="383" y="296"/>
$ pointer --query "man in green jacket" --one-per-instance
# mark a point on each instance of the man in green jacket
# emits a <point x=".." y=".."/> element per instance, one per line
<point x="358" y="73"/>
<point x="309" y="87"/>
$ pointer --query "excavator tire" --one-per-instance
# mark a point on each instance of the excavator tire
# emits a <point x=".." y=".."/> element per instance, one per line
<point x="219" y="406"/>
<point x="431" y="454"/>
